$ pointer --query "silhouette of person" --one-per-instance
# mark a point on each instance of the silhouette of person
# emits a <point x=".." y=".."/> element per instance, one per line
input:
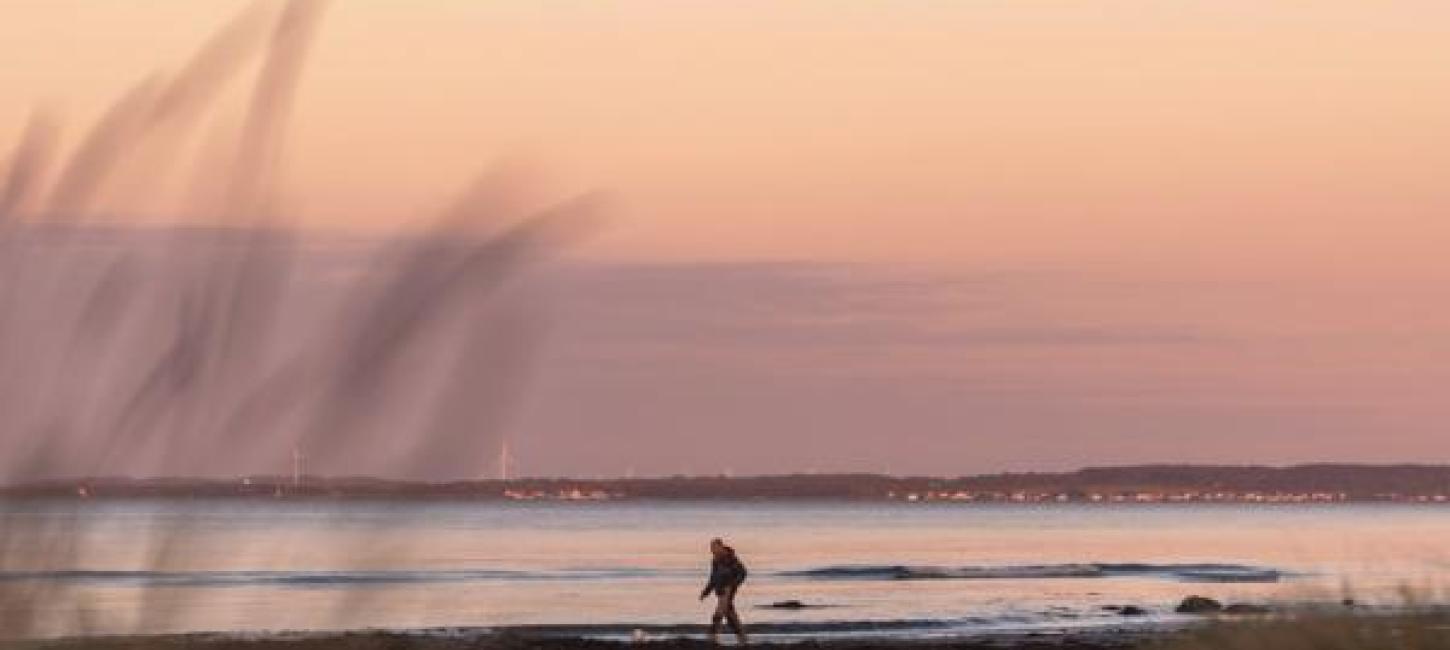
<point x="727" y="573"/>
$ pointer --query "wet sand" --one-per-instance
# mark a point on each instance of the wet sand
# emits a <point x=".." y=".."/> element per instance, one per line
<point x="1427" y="630"/>
<point x="1099" y="639"/>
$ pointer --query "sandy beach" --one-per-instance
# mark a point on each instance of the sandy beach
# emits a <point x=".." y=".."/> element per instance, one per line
<point x="533" y="640"/>
<point x="1426" y="630"/>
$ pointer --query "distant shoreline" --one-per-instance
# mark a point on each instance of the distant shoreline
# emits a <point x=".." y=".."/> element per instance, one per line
<point x="1142" y="484"/>
<point x="322" y="497"/>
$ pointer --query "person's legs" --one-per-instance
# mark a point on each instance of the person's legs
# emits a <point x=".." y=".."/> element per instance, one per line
<point x="734" y="619"/>
<point x="722" y="601"/>
<point x="726" y="610"/>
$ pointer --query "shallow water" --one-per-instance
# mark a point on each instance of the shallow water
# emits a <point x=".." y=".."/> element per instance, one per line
<point x="895" y="568"/>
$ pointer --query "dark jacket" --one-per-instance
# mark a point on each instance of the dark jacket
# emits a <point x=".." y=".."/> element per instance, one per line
<point x="726" y="570"/>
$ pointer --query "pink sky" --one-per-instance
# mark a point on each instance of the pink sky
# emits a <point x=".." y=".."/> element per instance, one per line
<point x="930" y="236"/>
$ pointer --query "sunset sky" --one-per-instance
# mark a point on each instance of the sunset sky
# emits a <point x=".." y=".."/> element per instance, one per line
<point x="916" y="236"/>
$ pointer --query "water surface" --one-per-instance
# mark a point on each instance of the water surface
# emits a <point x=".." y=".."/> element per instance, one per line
<point x="238" y="565"/>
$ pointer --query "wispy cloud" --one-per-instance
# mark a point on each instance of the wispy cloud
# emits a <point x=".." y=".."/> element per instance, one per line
<point x="774" y="309"/>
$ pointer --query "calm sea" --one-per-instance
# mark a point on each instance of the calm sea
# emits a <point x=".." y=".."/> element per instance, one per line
<point x="610" y="568"/>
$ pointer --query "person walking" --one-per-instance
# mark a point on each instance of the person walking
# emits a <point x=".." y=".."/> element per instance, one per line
<point x="727" y="573"/>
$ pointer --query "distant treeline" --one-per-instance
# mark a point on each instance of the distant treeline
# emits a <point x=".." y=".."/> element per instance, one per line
<point x="1349" y="482"/>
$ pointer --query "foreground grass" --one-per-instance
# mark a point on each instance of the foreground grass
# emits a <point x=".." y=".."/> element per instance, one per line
<point x="1339" y="632"/>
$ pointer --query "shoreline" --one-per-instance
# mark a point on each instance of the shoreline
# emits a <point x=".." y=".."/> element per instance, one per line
<point x="1431" y="626"/>
<point x="1323" y="483"/>
<point x="569" y="638"/>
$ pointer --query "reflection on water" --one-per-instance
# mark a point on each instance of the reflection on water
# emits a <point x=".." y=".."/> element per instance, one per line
<point x="267" y="565"/>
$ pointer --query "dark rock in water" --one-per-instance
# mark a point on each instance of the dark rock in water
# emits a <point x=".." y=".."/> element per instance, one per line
<point x="1198" y="605"/>
<point x="1132" y="610"/>
<point x="787" y="604"/>
<point x="1245" y="608"/>
<point x="1113" y="608"/>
